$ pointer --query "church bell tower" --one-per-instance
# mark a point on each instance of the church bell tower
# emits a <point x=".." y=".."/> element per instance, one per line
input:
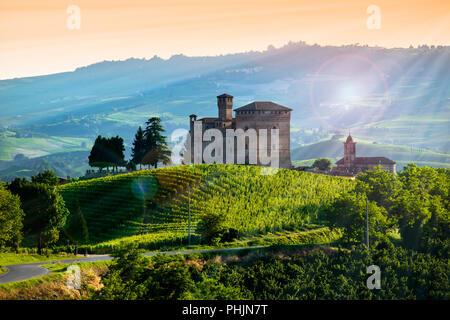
<point x="349" y="151"/>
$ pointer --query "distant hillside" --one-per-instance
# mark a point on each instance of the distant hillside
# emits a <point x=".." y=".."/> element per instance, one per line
<point x="334" y="149"/>
<point x="114" y="97"/>
<point x="64" y="164"/>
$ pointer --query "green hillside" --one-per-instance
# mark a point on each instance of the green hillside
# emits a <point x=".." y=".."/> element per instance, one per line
<point x="154" y="202"/>
<point x="334" y="149"/>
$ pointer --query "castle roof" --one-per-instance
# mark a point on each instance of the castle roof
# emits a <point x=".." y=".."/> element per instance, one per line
<point x="369" y="161"/>
<point x="225" y="95"/>
<point x="262" y="105"/>
<point x="208" y="119"/>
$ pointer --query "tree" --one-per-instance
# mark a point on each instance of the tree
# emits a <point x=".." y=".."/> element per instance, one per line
<point x="422" y="205"/>
<point x="133" y="277"/>
<point x="116" y="154"/>
<point x="138" y="149"/>
<point x="379" y="185"/>
<point x="47" y="177"/>
<point x="20" y="157"/>
<point x="97" y="157"/>
<point x="11" y="219"/>
<point x="77" y="230"/>
<point x="156" y="149"/>
<point x="212" y="226"/>
<point x="131" y="166"/>
<point x="44" y="208"/>
<point x="159" y="154"/>
<point x="323" y="164"/>
<point x="349" y="213"/>
<point x="107" y="152"/>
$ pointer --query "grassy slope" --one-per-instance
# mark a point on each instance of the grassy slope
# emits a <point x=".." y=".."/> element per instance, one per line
<point x="155" y="202"/>
<point x="422" y="129"/>
<point x="318" y="235"/>
<point x="35" y="147"/>
<point x="14" y="258"/>
<point x="54" y="286"/>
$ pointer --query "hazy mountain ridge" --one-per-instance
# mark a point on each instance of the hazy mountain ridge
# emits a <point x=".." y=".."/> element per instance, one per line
<point x="114" y="97"/>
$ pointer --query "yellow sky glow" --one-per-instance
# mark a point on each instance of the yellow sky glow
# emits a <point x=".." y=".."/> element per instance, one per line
<point x="35" y="40"/>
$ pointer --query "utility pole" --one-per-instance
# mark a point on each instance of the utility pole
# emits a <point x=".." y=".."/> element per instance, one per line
<point x="189" y="215"/>
<point x="367" y="223"/>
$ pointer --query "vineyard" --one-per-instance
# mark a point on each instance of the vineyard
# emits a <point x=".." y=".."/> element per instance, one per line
<point x="154" y="203"/>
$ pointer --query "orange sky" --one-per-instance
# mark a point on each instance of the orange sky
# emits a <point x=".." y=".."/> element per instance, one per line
<point x="34" y="38"/>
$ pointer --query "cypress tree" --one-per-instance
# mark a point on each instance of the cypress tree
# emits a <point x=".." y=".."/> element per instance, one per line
<point x="138" y="149"/>
<point x="156" y="149"/>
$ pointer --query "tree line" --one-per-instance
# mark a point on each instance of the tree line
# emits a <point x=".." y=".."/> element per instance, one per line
<point x="414" y="205"/>
<point x="277" y="274"/>
<point x="149" y="148"/>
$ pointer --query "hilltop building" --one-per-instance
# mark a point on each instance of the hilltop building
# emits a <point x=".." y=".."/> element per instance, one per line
<point x="351" y="165"/>
<point x="256" y="115"/>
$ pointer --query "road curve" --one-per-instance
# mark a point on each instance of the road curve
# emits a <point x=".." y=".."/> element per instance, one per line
<point x="25" y="271"/>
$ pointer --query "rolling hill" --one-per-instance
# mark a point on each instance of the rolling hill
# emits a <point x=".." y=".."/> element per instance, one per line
<point x="152" y="205"/>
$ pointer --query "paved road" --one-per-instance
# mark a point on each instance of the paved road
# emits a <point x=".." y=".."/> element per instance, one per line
<point x="24" y="271"/>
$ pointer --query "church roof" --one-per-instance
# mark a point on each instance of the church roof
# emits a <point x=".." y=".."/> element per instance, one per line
<point x="262" y="105"/>
<point x="369" y="161"/>
<point x="349" y="139"/>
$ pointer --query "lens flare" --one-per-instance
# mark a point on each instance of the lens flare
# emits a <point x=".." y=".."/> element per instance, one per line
<point x="350" y="95"/>
<point x="144" y="187"/>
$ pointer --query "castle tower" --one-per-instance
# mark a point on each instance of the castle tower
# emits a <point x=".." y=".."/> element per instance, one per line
<point x="189" y="155"/>
<point x="225" y="105"/>
<point x="349" y="151"/>
<point x="268" y="115"/>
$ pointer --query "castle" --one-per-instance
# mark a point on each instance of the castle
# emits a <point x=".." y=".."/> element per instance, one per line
<point x="351" y="165"/>
<point x="256" y="115"/>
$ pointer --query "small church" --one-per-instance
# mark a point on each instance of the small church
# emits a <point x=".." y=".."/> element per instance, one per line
<point x="351" y="165"/>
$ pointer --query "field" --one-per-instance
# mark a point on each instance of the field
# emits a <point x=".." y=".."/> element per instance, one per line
<point x="31" y="147"/>
<point x="153" y="205"/>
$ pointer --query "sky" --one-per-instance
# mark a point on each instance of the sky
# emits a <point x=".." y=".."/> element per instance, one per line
<point x="42" y="36"/>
